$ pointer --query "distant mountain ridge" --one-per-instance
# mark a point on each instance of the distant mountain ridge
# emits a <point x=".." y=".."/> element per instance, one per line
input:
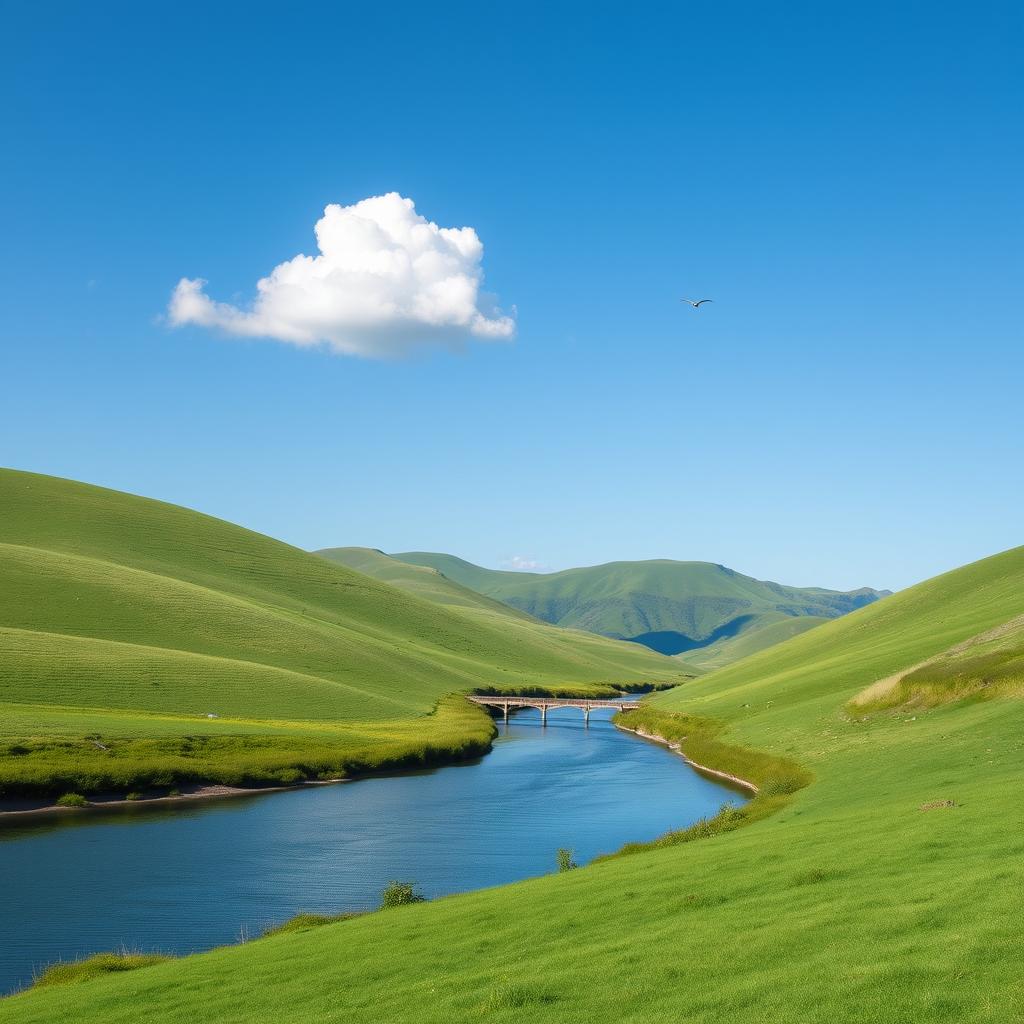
<point x="697" y="609"/>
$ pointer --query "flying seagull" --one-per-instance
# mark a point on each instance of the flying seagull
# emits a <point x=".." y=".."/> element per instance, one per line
<point x="698" y="303"/>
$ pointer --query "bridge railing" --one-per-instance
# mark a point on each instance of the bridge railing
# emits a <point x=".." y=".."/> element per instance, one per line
<point x="568" y="702"/>
<point x="543" y="704"/>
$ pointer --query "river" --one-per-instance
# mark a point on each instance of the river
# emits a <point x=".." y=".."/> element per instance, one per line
<point x="184" y="878"/>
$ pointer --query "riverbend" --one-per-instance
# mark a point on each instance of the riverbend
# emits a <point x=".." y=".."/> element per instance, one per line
<point x="186" y="877"/>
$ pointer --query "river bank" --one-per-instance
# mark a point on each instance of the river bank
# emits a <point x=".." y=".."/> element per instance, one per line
<point x="112" y="775"/>
<point x="112" y="802"/>
<point x="677" y="748"/>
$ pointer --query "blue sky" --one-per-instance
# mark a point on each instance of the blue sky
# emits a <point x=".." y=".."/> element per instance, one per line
<point x="844" y="182"/>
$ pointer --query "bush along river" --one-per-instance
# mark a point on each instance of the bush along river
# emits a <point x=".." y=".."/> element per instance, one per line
<point x="187" y="877"/>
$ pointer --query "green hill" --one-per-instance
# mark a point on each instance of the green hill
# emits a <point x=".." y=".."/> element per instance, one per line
<point x="766" y="632"/>
<point x="672" y="607"/>
<point x="422" y="580"/>
<point x="119" y="615"/>
<point x="887" y="890"/>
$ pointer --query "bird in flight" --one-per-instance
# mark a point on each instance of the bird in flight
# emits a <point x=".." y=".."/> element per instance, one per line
<point x="698" y="303"/>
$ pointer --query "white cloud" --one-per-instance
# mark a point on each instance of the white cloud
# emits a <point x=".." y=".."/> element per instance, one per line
<point x="386" y="281"/>
<point x="519" y="563"/>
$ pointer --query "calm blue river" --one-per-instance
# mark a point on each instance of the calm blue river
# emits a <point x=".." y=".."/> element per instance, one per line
<point x="186" y="878"/>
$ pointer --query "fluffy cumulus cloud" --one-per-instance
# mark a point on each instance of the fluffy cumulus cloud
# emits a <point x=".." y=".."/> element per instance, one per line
<point x="386" y="281"/>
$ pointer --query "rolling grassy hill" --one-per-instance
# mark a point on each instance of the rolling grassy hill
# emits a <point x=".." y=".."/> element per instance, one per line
<point x="766" y="632"/>
<point x="888" y="890"/>
<point x="124" y="614"/>
<point x="422" y="580"/>
<point x="698" y="609"/>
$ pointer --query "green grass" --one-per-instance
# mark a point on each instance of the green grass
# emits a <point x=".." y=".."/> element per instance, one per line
<point x="705" y="613"/>
<point x="306" y="922"/>
<point x="763" y="633"/>
<point x="986" y="666"/>
<point x="131" y="621"/>
<point x="49" y="761"/>
<point x="890" y="889"/>
<point x="421" y="580"/>
<point x="95" y="967"/>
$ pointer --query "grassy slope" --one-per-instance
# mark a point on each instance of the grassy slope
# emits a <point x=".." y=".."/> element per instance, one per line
<point x="673" y="607"/>
<point x="853" y="904"/>
<point x="114" y="603"/>
<point x="767" y="632"/>
<point x="421" y="580"/>
<point x="988" y="665"/>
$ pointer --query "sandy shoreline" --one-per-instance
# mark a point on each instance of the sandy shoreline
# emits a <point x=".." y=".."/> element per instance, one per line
<point x="677" y="749"/>
<point x="209" y="792"/>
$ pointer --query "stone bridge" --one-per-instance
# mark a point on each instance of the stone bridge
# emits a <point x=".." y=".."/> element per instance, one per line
<point x="543" y="704"/>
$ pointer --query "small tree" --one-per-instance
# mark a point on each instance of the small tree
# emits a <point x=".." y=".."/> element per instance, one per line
<point x="565" y="861"/>
<point x="400" y="894"/>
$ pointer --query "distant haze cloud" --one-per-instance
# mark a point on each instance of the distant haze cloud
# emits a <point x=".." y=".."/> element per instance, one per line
<point x="517" y="563"/>
<point x="386" y="281"/>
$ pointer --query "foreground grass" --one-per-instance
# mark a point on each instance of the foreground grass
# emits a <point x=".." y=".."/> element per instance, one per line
<point x="888" y="890"/>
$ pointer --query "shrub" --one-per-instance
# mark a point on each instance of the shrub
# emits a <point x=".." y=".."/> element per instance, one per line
<point x="134" y="795"/>
<point x="400" y="894"/>
<point x="304" y="922"/>
<point x="565" y="861"/>
<point x="91" y="967"/>
<point x="72" y="800"/>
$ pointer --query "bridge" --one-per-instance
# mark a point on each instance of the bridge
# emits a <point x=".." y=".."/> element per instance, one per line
<point x="543" y="704"/>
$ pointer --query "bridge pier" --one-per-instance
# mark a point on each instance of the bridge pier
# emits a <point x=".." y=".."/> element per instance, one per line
<point x="543" y="714"/>
<point x="586" y="715"/>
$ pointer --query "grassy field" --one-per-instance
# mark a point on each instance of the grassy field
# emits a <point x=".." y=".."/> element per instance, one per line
<point x="127" y="622"/>
<point x="708" y="614"/>
<point x="49" y="750"/>
<point x="890" y="889"/>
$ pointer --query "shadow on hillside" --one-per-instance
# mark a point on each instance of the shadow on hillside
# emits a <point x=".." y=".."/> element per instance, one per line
<point x="667" y="641"/>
